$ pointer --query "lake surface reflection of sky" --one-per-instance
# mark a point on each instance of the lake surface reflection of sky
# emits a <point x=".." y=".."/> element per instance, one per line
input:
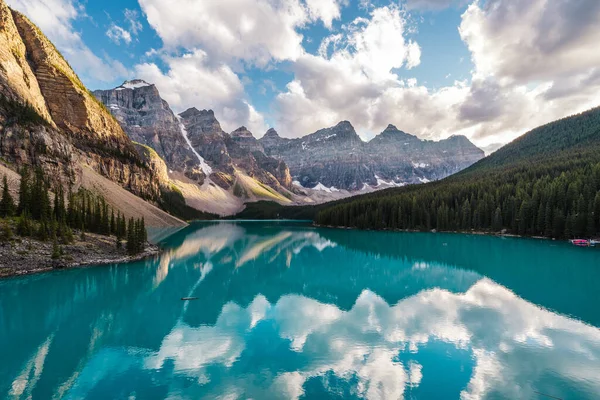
<point x="287" y="311"/>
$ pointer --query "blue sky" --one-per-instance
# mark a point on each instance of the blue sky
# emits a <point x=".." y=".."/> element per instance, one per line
<point x="489" y="70"/>
<point x="435" y="30"/>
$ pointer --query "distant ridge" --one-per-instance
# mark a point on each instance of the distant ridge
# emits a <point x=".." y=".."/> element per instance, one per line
<point x="545" y="183"/>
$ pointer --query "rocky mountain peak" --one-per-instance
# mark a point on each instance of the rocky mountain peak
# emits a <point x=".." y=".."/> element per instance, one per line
<point x="459" y="139"/>
<point x="194" y="112"/>
<point x="345" y="125"/>
<point x="342" y="131"/>
<point x="242" y="132"/>
<point x="203" y="120"/>
<point x="393" y="133"/>
<point x="391" y="129"/>
<point x="271" y="133"/>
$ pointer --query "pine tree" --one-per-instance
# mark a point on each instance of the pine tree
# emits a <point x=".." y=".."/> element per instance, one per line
<point x="131" y="239"/>
<point x="113" y="227"/>
<point x="24" y="192"/>
<point x="118" y="232"/>
<point x="7" y="205"/>
<point x="24" y="227"/>
<point x="497" y="222"/>
<point x="82" y="236"/>
<point x="56" y="252"/>
<point x="591" y="223"/>
<point x="142" y="235"/>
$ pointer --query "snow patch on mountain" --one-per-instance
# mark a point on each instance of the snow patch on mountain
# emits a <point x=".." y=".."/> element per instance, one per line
<point x="420" y="165"/>
<point x="323" y="188"/>
<point x="203" y="165"/>
<point x="133" y="85"/>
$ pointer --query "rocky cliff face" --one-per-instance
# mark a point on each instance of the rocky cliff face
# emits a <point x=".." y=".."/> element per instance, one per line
<point x="147" y="119"/>
<point x="193" y="142"/>
<point x="207" y="138"/>
<point x="337" y="157"/>
<point x="17" y="80"/>
<point x="72" y="107"/>
<point x="230" y="153"/>
<point x="48" y="118"/>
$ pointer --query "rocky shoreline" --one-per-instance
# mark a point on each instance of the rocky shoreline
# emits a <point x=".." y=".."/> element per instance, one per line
<point x="471" y="232"/>
<point x="24" y="256"/>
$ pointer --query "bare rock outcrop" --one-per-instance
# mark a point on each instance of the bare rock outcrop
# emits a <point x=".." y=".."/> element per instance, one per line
<point x="17" y="81"/>
<point x="72" y="107"/>
<point x="337" y="157"/>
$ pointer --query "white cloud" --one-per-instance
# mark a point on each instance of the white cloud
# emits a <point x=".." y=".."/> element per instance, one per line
<point x="255" y="31"/>
<point x="535" y="61"/>
<point x="430" y="4"/>
<point x="191" y="81"/>
<point x="528" y="40"/>
<point x="325" y="10"/>
<point x="54" y="18"/>
<point x="349" y="82"/>
<point x="118" y="34"/>
<point x="132" y="17"/>
<point x="362" y="345"/>
<point x="220" y="39"/>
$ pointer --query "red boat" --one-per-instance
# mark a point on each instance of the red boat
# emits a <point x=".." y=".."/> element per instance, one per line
<point x="581" y="242"/>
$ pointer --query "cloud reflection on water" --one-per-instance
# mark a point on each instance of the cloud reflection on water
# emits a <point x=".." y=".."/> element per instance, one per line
<point x="513" y="343"/>
<point x="284" y="309"/>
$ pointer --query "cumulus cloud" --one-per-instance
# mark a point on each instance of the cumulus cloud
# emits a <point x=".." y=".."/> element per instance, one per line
<point x="220" y="39"/>
<point x="325" y="10"/>
<point x="119" y="34"/>
<point x="525" y="40"/>
<point x="349" y="75"/>
<point x="191" y="81"/>
<point x="255" y="31"/>
<point x="55" y="17"/>
<point x="534" y="62"/>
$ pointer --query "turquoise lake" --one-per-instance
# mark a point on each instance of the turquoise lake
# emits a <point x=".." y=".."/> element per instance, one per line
<point x="288" y="311"/>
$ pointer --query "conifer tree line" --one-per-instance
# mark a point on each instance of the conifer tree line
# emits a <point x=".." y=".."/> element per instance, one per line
<point x="38" y="216"/>
<point x="558" y="204"/>
<point x="546" y="183"/>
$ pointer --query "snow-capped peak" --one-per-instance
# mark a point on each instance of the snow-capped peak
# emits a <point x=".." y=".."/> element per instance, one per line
<point x="133" y="84"/>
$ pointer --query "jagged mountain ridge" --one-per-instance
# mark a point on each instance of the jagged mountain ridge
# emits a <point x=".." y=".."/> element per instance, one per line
<point x="147" y="119"/>
<point x="334" y="161"/>
<point x="225" y="168"/>
<point x="337" y="157"/>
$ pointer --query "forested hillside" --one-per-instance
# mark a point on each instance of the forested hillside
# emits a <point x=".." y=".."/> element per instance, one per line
<point x="545" y="183"/>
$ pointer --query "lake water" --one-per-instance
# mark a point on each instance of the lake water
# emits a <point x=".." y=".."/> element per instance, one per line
<point x="287" y="311"/>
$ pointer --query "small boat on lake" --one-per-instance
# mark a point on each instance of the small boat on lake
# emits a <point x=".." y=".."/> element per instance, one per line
<point x="581" y="242"/>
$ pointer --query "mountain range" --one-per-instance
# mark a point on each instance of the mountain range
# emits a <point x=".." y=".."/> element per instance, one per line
<point x="337" y="157"/>
<point x="545" y="183"/>
<point x="237" y="167"/>
<point x="128" y="145"/>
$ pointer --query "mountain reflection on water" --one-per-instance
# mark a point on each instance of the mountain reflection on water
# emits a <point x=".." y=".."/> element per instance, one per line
<point x="285" y="311"/>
